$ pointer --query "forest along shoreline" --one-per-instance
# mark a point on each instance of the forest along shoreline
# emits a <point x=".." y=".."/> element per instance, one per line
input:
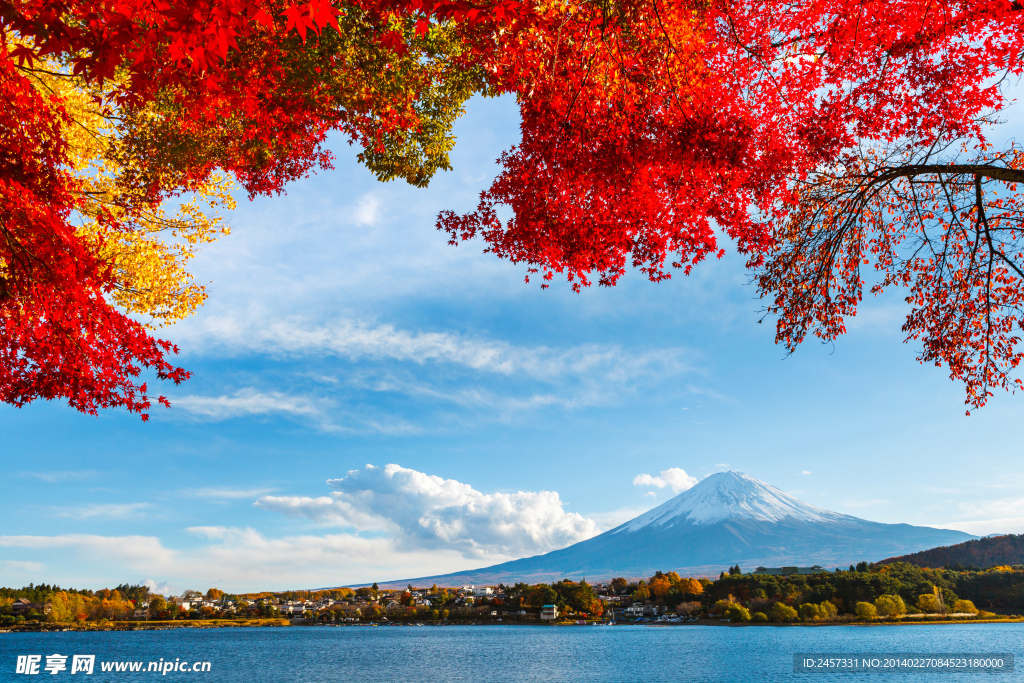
<point x="882" y="594"/>
<point x="285" y="623"/>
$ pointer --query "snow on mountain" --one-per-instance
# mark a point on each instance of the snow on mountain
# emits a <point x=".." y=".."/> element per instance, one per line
<point x="730" y="495"/>
<point x="728" y="518"/>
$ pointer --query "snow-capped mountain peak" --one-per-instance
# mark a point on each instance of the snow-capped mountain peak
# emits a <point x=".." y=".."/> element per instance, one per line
<point x="724" y="520"/>
<point x="730" y="495"/>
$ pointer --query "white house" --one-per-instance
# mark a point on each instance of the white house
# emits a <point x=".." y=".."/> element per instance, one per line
<point x="634" y="611"/>
<point x="549" y="612"/>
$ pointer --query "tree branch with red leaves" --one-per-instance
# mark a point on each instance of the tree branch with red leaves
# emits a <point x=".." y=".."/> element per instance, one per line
<point x="949" y="233"/>
<point x="652" y="130"/>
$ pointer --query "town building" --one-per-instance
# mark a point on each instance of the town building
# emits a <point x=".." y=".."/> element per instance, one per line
<point x="21" y="606"/>
<point x="787" y="571"/>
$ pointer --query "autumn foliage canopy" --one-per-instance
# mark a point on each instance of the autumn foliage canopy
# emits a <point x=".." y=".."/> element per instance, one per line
<point x="821" y="137"/>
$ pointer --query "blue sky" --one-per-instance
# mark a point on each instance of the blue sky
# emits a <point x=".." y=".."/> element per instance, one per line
<point x="343" y="331"/>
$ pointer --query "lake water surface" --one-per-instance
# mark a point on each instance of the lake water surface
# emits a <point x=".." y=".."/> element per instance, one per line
<point x="509" y="653"/>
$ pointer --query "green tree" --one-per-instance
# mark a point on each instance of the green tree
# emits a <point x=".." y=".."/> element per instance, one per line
<point x="580" y="596"/>
<point x="783" y="613"/>
<point x="721" y="606"/>
<point x="865" y="610"/>
<point x="810" y="612"/>
<point x="890" y="605"/>
<point x="540" y="595"/>
<point x="157" y="604"/>
<point x="737" y="614"/>
<point x="928" y="603"/>
<point x="961" y="606"/>
<point x="759" y="617"/>
<point x="135" y="592"/>
<point x="65" y="608"/>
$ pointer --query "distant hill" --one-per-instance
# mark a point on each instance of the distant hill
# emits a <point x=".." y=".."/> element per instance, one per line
<point x="982" y="553"/>
<point x="728" y="518"/>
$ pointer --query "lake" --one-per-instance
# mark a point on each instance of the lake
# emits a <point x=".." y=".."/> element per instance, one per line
<point x="507" y="653"/>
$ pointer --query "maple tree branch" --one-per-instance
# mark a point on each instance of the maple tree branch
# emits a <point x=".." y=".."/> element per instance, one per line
<point x="671" y="44"/>
<point x="993" y="251"/>
<point x="751" y="53"/>
<point x="791" y="41"/>
<point x="1002" y="173"/>
<point x="983" y="222"/>
<point x="19" y="252"/>
<point x="907" y="45"/>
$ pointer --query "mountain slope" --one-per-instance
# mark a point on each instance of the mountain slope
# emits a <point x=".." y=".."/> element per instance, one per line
<point x="727" y="518"/>
<point x="982" y="553"/>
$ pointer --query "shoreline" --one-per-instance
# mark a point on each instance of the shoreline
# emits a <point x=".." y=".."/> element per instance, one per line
<point x="284" y="623"/>
<point x="819" y="624"/>
<point x="146" y="625"/>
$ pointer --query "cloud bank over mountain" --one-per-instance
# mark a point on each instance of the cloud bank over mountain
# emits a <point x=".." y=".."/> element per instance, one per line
<point x="427" y="511"/>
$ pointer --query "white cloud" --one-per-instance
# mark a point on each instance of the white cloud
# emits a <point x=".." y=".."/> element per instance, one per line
<point x="234" y="559"/>
<point x="357" y="340"/>
<point x="474" y="397"/>
<point x="102" y="511"/>
<point x="164" y="589"/>
<point x="803" y="473"/>
<point x="225" y="493"/>
<point x="673" y="477"/>
<point x="999" y="516"/>
<point x="425" y="511"/>
<point x="614" y="518"/>
<point x="131" y="550"/>
<point x="367" y="212"/>
<point x="489" y="376"/>
<point x="984" y="527"/>
<point x="61" y="475"/>
<point x="246" y="402"/>
<point x="334" y="559"/>
<point x="1000" y="508"/>
<point x="648" y="480"/>
<point x="20" y="567"/>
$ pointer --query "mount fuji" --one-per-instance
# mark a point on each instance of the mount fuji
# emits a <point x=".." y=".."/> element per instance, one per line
<point x="728" y="518"/>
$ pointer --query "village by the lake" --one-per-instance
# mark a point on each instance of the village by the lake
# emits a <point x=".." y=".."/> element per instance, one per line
<point x="864" y="594"/>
